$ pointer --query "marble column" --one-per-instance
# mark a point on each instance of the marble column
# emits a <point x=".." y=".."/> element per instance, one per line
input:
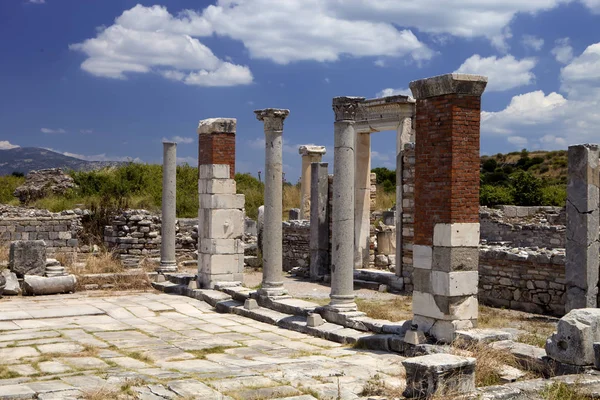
<point x="404" y="135"/>
<point x="310" y="154"/>
<point x="342" y="265"/>
<point x="362" y="207"/>
<point x="272" y="282"/>
<point x="168" y="262"/>
<point x="446" y="232"/>
<point x="319" y="221"/>
<point x="582" y="247"/>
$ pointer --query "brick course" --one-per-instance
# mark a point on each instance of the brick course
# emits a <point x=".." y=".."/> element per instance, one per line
<point x="217" y="148"/>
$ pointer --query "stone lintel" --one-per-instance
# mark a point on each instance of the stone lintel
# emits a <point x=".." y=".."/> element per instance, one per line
<point x="217" y="125"/>
<point x="346" y="107"/>
<point x="309" y="150"/>
<point x="467" y="84"/>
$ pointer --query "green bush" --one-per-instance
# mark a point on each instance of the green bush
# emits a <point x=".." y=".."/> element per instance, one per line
<point x="527" y="189"/>
<point x="253" y="190"/>
<point x="490" y="195"/>
<point x="8" y="184"/>
<point x="386" y="178"/>
<point x="555" y="195"/>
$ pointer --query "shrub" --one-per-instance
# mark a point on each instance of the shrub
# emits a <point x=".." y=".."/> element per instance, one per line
<point x="527" y="189"/>
<point x="490" y="165"/>
<point x="8" y="184"/>
<point x="254" y="190"/>
<point x="385" y="177"/>
<point x="555" y="195"/>
<point x="490" y="195"/>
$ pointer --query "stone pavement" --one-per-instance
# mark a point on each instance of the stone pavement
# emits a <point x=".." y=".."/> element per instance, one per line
<point x="146" y="345"/>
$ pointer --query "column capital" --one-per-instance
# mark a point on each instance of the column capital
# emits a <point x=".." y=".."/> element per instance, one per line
<point x="217" y="125"/>
<point x="272" y="117"/>
<point x="468" y="84"/>
<point x="308" y="150"/>
<point x="345" y="108"/>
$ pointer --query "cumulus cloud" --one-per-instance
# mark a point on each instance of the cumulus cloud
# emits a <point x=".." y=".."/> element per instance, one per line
<point x="393" y="92"/>
<point x="179" y="139"/>
<point x="562" y="51"/>
<point x="150" y="39"/>
<point x="6" y="145"/>
<point x="518" y="141"/>
<point x="554" y="121"/>
<point x="503" y="73"/>
<point x="532" y="42"/>
<point x="49" y="130"/>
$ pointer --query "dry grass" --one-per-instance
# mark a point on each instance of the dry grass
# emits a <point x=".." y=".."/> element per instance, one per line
<point x="4" y="250"/>
<point x="103" y="393"/>
<point x="538" y="327"/>
<point x="397" y="309"/>
<point x="66" y="259"/>
<point x="291" y="199"/>
<point x="101" y="263"/>
<point x="201" y="354"/>
<point x="383" y="200"/>
<point x="6" y="373"/>
<point x="562" y="391"/>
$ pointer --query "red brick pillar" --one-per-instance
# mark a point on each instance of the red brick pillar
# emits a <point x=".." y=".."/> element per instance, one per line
<point x="446" y="231"/>
<point x="216" y="142"/>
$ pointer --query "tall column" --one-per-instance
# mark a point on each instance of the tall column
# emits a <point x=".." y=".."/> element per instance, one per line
<point x="582" y="247"/>
<point x="342" y="265"/>
<point x="319" y="221"/>
<point x="168" y="263"/>
<point x="272" y="282"/>
<point x="362" y="207"/>
<point x="310" y="154"/>
<point x="403" y="136"/>
<point x="445" y="251"/>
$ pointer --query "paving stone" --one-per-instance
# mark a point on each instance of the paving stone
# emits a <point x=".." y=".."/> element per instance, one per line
<point x="72" y="394"/>
<point x="268" y="393"/>
<point x="49" y="386"/>
<point x="128" y="362"/>
<point x="85" y="362"/>
<point x="85" y="382"/>
<point x="194" y="388"/>
<point x="199" y="366"/>
<point x="23" y="369"/>
<point x="60" y="348"/>
<point x="228" y="385"/>
<point x="16" y="392"/>
<point x="12" y="354"/>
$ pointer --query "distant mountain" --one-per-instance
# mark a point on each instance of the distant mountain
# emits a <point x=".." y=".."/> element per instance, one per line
<point x="25" y="159"/>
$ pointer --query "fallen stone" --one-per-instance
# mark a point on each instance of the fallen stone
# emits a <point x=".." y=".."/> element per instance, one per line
<point x="475" y="336"/>
<point x="528" y="356"/>
<point x="573" y="341"/>
<point x="250" y="304"/>
<point x="510" y="374"/>
<point x="2" y="284"/>
<point x="11" y="283"/>
<point x="27" y="257"/>
<point x="441" y="374"/>
<point x="314" y="320"/>
<point x="38" y="285"/>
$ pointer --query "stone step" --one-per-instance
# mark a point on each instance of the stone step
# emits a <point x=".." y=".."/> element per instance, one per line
<point x="362" y="284"/>
<point x="239" y="293"/>
<point x="383" y="277"/>
<point x="289" y="305"/>
<point x="169" y="287"/>
<point x="180" y="278"/>
<point x="209" y="296"/>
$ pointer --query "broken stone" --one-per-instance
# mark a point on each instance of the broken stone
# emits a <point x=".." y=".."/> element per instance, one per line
<point x="11" y="283"/>
<point x="441" y="374"/>
<point x="44" y="182"/>
<point x="314" y="319"/>
<point x="27" y="257"/>
<point x="573" y="342"/>
<point x="250" y="304"/>
<point x="39" y="285"/>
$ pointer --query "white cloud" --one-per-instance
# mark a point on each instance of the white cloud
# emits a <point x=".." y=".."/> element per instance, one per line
<point x="593" y="5"/>
<point x="503" y="73"/>
<point x="86" y="131"/>
<point x="380" y="63"/>
<point x="581" y="78"/>
<point x="6" y="145"/>
<point x="179" y="139"/>
<point x="562" y="51"/>
<point x="532" y="42"/>
<point x="393" y="92"/>
<point x="48" y="130"/>
<point x="150" y="39"/>
<point x="518" y="141"/>
<point x="37" y="1"/>
<point x="326" y="80"/>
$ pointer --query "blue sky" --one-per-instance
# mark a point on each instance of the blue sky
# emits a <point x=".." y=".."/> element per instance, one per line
<point x="110" y="79"/>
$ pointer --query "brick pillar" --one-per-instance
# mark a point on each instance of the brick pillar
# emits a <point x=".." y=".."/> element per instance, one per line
<point x="446" y="232"/>
<point x="216" y="142"/>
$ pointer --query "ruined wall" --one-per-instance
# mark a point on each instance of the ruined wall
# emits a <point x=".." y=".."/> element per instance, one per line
<point x="523" y="279"/>
<point x="296" y="244"/>
<point x="408" y="213"/>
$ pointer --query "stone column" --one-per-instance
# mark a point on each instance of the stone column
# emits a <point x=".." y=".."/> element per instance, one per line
<point x="582" y="262"/>
<point x="272" y="282"/>
<point x="362" y="208"/>
<point x="310" y="154"/>
<point x="319" y="217"/>
<point x="342" y="265"/>
<point x="168" y="263"/>
<point x="446" y="233"/>
<point x="403" y="136"/>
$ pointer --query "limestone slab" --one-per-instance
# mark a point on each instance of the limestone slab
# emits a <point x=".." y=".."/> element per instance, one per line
<point x="456" y="234"/>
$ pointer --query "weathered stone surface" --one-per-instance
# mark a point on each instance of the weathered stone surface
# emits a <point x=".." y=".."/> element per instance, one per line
<point x="319" y="217"/>
<point x="439" y="374"/>
<point x="573" y="341"/>
<point x="446" y="84"/>
<point x="44" y="182"/>
<point x="38" y="285"/>
<point x="11" y="283"/>
<point x="217" y="125"/>
<point x="27" y="257"/>
<point x="2" y="284"/>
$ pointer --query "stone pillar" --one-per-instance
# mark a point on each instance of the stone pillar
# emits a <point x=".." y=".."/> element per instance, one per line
<point x="216" y="143"/>
<point x="403" y="136"/>
<point x="362" y="207"/>
<point x="446" y="241"/>
<point x="582" y="263"/>
<point x="342" y="265"/>
<point x="272" y="282"/>
<point x="319" y="217"/>
<point x="310" y="154"/>
<point x="221" y="212"/>
<point x="168" y="263"/>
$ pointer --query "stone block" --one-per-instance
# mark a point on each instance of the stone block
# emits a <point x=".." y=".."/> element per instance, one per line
<point x="250" y="227"/>
<point x="215" y="264"/>
<point x="314" y="319"/>
<point x="459" y="283"/>
<point x="457" y="234"/>
<point x="222" y="201"/>
<point x="216" y="186"/>
<point x="217" y="125"/>
<point x="11" y="283"/>
<point x="422" y="280"/>
<point x="445" y="331"/>
<point x="250" y="304"/>
<point x="453" y="259"/>
<point x="576" y="333"/>
<point x="439" y="374"/>
<point x="422" y="256"/>
<point x="27" y="257"/>
<point x="38" y="285"/>
<point x="213" y="171"/>
<point x="445" y="308"/>
<point x="294" y="214"/>
<point x="221" y="246"/>
<point x="221" y="224"/>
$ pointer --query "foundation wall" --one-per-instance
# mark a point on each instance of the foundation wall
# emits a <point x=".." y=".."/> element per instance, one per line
<point x="296" y="244"/>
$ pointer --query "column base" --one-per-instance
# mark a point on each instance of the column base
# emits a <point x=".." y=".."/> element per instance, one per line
<point x="167" y="267"/>
<point x="272" y="290"/>
<point x="342" y="304"/>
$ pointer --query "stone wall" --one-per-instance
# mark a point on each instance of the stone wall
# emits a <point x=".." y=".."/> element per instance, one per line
<point x="58" y="230"/>
<point x="523" y="279"/>
<point x="296" y="244"/>
<point x="408" y="213"/>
